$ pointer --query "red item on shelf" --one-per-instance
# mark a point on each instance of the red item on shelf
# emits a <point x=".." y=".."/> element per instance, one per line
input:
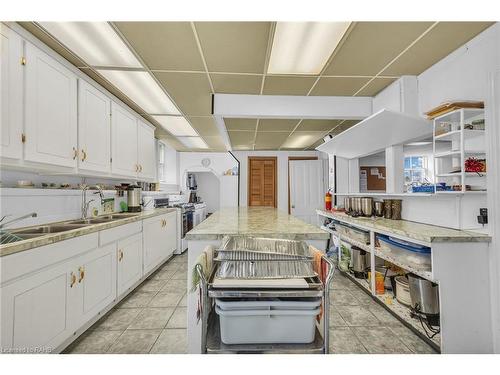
<point x="328" y="201"/>
<point x="475" y="165"/>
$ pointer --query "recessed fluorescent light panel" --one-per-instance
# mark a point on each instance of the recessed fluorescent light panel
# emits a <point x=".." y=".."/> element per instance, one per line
<point x="299" y="140"/>
<point x="193" y="142"/>
<point x="176" y="125"/>
<point x="304" y="47"/>
<point x="142" y="89"/>
<point x="96" y="43"/>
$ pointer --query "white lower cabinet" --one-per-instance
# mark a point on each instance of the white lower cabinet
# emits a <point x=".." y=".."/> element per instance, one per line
<point x="37" y="311"/>
<point x="159" y="234"/>
<point x="129" y="253"/>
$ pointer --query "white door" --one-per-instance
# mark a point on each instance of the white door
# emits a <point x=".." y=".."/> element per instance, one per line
<point x="146" y="151"/>
<point x="123" y="142"/>
<point x="96" y="285"/>
<point x="129" y="262"/>
<point x="94" y="129"/>
<point x="307" y="189"/>
<point x="155" y="242"/>
<point x="37" y="310"/>
<point x="11" y="94"/>
<point x="171" y="233"/>
<point x="51" y="114"/>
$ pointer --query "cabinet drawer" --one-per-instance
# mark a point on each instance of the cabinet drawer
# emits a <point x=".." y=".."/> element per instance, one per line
<point x="114" y="234"/>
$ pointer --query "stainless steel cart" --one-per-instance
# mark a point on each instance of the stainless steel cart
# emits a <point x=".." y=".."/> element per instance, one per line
<point x="211" y="342"/>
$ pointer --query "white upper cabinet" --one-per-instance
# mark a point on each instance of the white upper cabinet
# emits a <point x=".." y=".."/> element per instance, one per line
<point x="124" y="142"/>
<point x="94" y="129"/>
<point x="11" y="94"/>
<point x="50" y="110"/>
<point x="146" y="151"/>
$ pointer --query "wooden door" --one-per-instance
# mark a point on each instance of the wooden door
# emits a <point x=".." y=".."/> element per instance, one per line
<point x="11" y="94"/>
<point x="94" y="129"/>
<point x="51" y="110"/>
<point x="123" y="142"/>
<point x="262" y="181"/>
<point x="146" y="151"/>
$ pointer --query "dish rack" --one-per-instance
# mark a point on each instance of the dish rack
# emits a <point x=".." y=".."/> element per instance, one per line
<point x="211" y="342"/>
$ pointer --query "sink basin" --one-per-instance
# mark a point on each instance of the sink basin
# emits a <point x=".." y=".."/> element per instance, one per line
<point x="102" y="219"/>
<point x="46" y="229"/>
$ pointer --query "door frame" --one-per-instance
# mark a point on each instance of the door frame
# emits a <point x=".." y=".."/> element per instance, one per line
<point x="291" y="158"/>
<point x="275" y="159"/>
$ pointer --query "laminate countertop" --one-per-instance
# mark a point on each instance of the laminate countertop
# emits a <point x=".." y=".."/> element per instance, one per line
<point x="50" y="238"/>
<point x="256" y="222"/>
<point x="409" y="229"/>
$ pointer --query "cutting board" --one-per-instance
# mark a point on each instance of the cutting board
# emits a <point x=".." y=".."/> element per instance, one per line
<point x="260" y="283"/>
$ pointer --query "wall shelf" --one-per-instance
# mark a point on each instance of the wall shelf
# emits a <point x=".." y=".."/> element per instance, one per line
<point x="375" y="133"/>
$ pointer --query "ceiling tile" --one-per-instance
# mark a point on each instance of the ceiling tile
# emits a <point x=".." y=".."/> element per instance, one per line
<point x="277" y="125"/>
<point x="174" y="143"/>
<point x="301" y="140"/>
<point x="317" y="125"/>
<point x="163" y="45"/>
<point x="248" y="124"/>
<point x="270" y="141"/>
<point x="340" y="86"/>
<point x="344" y="126"/>
<point x="443" y="39"/>
<point x="190" y="91"/>
<point x="279" y="85"/>
<point x="215" y="143"/>
<point x="243" y="148"/>
<point x="370" y="46"/>
<point x="375" y="86"/>
<point x="316" y="144"/>
<point x="204" y="125"/>
<point x="236" y="83"/>
<point x="238" y="47"/>
<point x="241" y="138"/>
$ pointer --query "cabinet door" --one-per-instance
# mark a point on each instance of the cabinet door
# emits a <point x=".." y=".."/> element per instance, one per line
<point x="94" y="129"/>
<point x="155" y="241"/>
<point x="11" y="94"/>
<point x="37" y="311"/>
<point x="96" y="272"/>
<point x="124" y="142"/>
<point x="129" y="262"/>
<point x="146" y="151"/>
<point x="171" y="235"/>
<point x="50" y="109"/>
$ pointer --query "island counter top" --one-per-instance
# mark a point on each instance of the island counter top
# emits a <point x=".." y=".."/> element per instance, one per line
<point x="256" y="222"/>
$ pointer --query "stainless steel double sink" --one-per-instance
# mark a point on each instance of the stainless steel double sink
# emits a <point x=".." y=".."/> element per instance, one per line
<point x="42" y="230"/>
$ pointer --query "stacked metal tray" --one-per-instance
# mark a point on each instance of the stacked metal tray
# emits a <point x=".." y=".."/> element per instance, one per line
<point x="264" y="258"/>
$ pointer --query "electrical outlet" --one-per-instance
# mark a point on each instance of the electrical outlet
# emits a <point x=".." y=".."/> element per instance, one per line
<point x="483" y="216"/>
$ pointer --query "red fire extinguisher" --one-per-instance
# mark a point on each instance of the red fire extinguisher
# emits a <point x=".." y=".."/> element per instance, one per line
<point x="328" y="201"/>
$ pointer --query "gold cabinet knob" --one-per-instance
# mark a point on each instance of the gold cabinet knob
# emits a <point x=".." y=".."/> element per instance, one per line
<point x="120" y="255"/>
<point x="81" y="271"/>
<point x="75" y="153"/>
<point x="72" y="279"/>
<point x="84" y="155"/>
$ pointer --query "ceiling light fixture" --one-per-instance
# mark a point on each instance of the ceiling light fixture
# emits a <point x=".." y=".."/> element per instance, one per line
<point x="297" y="140"/>
<point x="176" y="125"/>
<point x="423" y="143"/>
<point x="142" y="89"/>
<point x="304" y="47"/>
<point x="96" y="43"/>
<point x="193" y="142"/>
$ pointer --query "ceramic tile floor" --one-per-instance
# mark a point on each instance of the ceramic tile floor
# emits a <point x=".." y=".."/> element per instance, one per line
<point x="152" y="319"/>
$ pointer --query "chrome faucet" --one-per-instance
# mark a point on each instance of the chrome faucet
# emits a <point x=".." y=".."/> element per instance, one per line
<point x="33" y="214"/>
<point x="85" y="204"/>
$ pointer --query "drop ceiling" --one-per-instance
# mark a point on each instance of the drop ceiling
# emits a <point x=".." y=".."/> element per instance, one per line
<point x="193" y="60"/>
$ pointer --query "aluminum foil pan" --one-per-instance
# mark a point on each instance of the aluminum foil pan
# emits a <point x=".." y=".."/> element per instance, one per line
<point x="257" y="256"/>
<point x="267" y="246"/>
<point x="265" y="270"/>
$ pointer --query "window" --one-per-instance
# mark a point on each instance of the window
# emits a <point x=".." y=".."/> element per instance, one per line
<point x="161" y="161"/>
<point x="415" y="170"/>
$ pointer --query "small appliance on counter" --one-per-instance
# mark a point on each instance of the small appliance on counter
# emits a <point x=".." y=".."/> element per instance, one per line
<point x="424" y="295"/>
<point x="359" y="262"/>
<point x="191" y="182"/>
<point x="134" y="198"/>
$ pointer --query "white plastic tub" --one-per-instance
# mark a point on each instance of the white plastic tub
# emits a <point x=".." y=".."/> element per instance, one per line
<point x="267" y="321"/>
<point x="417" y="256"/>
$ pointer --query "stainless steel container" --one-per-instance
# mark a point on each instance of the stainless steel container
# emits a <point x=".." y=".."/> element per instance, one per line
<point x="367" y="206"/>
<point x="424" y="295"/>
<point x="359" y="261"/>
<point x="134" y="198"/>
<point x="347" y="204"/>
<point x="356" y="206"/>
<point x="379" y="208"/>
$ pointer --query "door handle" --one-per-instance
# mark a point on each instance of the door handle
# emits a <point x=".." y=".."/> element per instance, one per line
<point x="84" y="155"/>
<point x="75" y="153"/>
<point x="72" y="279"/>
<point x="81" y="270"/>
<point x="120" y="255"/>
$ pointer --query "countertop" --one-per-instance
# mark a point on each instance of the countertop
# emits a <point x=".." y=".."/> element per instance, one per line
<point x="409" y="229"/>
<point x="255" y="221"/>
<point x="51" y="238"/>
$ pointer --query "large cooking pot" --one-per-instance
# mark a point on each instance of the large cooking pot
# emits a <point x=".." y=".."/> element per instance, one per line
<point x="367" y="206"/>
<point x="359" y="262"/>
<point x="424" y="295"/>
<point x="356" y="206"/>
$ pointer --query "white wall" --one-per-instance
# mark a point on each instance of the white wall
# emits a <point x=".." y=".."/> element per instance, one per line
<point x="375" y="160"/>
<point x="208" y="189"/>
<point x="282" y="167"/>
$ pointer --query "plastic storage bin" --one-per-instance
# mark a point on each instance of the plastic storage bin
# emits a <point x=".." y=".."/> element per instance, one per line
<point x="353" y="233"/>
<point x="275" y="321"/>
<point x="414" y="255"/>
